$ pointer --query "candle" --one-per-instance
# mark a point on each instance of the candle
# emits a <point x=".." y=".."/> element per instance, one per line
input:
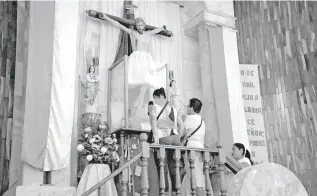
<point x="93" y="52"/>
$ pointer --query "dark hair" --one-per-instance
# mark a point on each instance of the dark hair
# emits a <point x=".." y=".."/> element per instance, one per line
<point x="245" y="152"/>
<point x="159" y="92"/>
<point x="195" y="104"/>
<point x="171" y="82"/>
<point x="91" y="66"/>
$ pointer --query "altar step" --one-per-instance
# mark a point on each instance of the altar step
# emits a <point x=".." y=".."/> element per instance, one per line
<point x="213" y="166"/>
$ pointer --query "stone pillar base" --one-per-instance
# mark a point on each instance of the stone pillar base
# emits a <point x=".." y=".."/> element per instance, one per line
<point x="45" y="190"/>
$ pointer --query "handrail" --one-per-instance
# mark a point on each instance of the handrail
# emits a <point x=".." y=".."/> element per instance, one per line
<point x="231" y="166"/>
<point x="116" y="172"/>
<point x="228" y="164"/>
<point x="184" y="148"/>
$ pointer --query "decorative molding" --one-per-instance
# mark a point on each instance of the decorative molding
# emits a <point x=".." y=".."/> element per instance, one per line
<point x="209" y="18"/>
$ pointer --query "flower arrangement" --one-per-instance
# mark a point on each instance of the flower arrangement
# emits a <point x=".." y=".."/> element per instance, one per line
<point x="98" y="145"/>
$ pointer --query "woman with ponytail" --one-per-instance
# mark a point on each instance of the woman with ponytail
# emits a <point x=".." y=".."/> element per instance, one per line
<point x="240" y="156"/>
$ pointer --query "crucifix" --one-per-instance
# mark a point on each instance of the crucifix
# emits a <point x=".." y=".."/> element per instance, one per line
<point x="142" y="68"/>
<point x="130" y="23"/>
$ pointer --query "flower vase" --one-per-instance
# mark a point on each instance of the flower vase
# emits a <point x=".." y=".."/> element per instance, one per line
<point x="91" y="120"/>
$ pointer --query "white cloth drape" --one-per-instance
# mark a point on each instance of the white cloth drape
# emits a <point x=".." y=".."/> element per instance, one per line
<point x="50" y="86"/>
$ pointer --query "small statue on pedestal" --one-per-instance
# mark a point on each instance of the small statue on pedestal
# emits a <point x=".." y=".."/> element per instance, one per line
<point x="174" y="98"/>
<point x="91" y="82"/>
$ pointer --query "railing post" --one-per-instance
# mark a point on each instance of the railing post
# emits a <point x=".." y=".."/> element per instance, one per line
<point x="222" y="169"/>
<point x="162" y="177"/>
<point x="122" y="144"/>
<point x="178" y="184"/>
<point x="145" y="149"/>
<point x="192" y="169"/>
<point x="124" y="183"/>
<point x="124" y="176"/>
<point x="206" y="171"/>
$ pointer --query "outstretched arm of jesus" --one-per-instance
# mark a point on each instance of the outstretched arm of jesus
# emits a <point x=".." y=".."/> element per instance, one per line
<point x="157" y="30"/>
<point x="116" y="24"/>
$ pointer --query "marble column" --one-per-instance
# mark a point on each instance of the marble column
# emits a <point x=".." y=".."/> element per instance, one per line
<point x="50" y="95"/>
<point x="220" y="76"/>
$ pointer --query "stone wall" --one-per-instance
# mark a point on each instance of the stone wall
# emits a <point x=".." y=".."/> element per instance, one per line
<point x="279" y="36"/>
<point x="8" y="18"/>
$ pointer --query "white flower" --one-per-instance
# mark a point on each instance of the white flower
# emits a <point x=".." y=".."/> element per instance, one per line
<point x="102" y="127"/>
<point x="116" y="147"/>
<point x="116" y="156"/>
<point x="114" y="140"/>
<point x="89" y="157"/>
<point x="114" y="135"/>
<point x="108" y="140"/>
<point x="134" y="146"/>
<point x="88" y="129"/>
<point x="80" y="147"/>
<point x="86" y="135"/>
<point x="103" y="150"/>
<point x="92" y="140"/>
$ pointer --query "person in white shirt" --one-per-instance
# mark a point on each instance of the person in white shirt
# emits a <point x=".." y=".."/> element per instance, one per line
<point x="193" y="134"/>
<point x="240" y="156"/>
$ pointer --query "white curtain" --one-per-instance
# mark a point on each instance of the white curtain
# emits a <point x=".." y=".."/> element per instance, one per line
<point x="51" y="75"/>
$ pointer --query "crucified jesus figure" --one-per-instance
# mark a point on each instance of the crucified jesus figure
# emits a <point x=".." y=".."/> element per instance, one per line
<point x="142" y="68"/>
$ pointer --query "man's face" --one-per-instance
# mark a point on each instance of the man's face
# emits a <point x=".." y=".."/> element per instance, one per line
<point x="140" y="27"/>
<point x="190" y="110"/>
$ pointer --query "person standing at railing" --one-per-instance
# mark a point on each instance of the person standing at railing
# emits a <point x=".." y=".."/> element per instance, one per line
<point x="193" y="136"/>
<point x="167" y="121"/>
<point x="166" y="125"/>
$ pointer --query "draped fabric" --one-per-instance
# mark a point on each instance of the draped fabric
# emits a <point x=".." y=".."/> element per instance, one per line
<point x="50" y="89"/>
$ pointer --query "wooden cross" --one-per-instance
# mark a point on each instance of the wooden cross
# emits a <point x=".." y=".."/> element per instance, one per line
<point x="125" y="47"/>
<point x="126" y="22"/>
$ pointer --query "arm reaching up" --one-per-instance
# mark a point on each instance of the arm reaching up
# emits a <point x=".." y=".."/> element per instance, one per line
<point x="116" y="24"/>
<point x="161" y="68"/>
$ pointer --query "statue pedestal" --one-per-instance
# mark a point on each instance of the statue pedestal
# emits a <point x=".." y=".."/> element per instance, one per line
<point x="91" y="120"/>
